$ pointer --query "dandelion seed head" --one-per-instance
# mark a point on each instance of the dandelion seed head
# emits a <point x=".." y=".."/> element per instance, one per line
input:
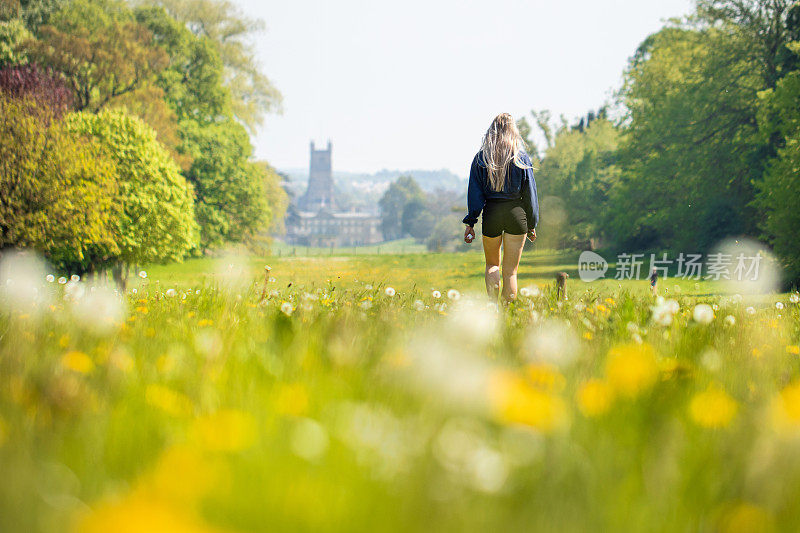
<point x="389" y="291"/>
<point x="703" y="314"/>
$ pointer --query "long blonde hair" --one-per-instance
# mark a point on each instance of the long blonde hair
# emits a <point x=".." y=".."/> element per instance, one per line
<point x="501" y="145"/>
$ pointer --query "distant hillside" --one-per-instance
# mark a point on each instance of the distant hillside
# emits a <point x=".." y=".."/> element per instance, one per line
<point x="360" y="190"/>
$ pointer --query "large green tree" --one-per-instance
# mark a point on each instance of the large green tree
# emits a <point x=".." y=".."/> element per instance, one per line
<point x="157" y="221"/>
<point x="252" y="93"/>
<point x="58" y="189"/>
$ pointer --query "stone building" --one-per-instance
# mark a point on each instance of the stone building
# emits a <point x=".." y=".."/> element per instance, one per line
<point x="314" y="220"/>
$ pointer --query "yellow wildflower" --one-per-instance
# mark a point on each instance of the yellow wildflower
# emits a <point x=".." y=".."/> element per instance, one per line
<point x="712" y="408"/>
<point x="631" y="368"/>
<point x="204" y="322"/>
<point x="514" y="401"/>
<point x="786" y="407"/>
<point x="77" y="362"/>
<point x="142" y="309"/>
<point x="595" y="397"/>
<point x="64" y="340"/>
<point x="141" y="512"/>
<point x="793" y="349"/>
<point x="228" y="430"/>
<point x="168" y="400"/>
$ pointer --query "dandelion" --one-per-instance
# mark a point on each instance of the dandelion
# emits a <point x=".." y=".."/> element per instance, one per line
<point x="713" y="408"/>
<point x="286" y="308"/>
<point x="419" y="305"/>
<point x="793" y="349"/>
<point x="77" y="362"/>
<point x="228" y="430"/>
<point x="75" y="278"/>
<point x="142" y="274"/>
<point x="368" y="287"/>
<point x="389" y="291"/>
<point x="525" y="291"/>
<point x="514" y="401"/>
<point x="750" y="311"/>
<point x="62" y="280"/>
<point x="168" y="400"/>
<point x="453" y="294"/>
<point x="703" y="314"/>
<point x="631" y="368"/>
<point x="171" y="293"/>
<point x="594" y="397"/>
<point x="778" y="305"/>
<point x="794" y="298"/>
<point x="730" y="320"/>
<point x="50" y="278"/>
<point x="436" y="294"/>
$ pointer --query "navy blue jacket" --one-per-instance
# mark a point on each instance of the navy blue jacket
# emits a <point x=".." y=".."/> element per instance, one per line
<point x="519" y="184"/>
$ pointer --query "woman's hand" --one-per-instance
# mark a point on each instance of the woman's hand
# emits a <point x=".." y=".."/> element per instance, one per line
<point x="469" y="234"/>
<point x="532" y="235"/>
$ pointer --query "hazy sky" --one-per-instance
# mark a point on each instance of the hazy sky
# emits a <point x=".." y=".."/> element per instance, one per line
<point x="415" y="83"/>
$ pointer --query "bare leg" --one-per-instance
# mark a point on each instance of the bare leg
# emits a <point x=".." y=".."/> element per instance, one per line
<point x="512" y="253"/>
<point x="491" y="249"/>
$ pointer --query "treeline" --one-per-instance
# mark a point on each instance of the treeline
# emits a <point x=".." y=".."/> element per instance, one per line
<point x="125" y="131"/>
<point x="407" y="210"/>
<point x="701" y="143"/>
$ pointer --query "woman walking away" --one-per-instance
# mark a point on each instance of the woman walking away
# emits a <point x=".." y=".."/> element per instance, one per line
<point x="501" y="185"/>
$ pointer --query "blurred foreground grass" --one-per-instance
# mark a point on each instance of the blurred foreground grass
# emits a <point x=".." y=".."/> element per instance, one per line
<point x="383" y="393"/>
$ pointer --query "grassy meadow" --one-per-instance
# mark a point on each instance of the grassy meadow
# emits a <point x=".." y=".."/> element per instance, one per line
<point x="386" y="393"/>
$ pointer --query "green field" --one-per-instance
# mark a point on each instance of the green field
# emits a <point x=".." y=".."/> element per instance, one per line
<point x="342" y="393"/>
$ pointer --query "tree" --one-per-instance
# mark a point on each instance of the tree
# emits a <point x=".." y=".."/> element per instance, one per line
<point x="101" y="50"/>
<point x="690" y="140"/>
<point x="12" y="34"/>
<point x="253" y="95"/>
<point x="417" y="219"/>
<point x="580" y="169"/>
<point x="47" y="89"/>
<point x="156" y="221"/>
<point x="778" y="194"/>
<point x="393" y="202"/>
<point x="57" y="190"/>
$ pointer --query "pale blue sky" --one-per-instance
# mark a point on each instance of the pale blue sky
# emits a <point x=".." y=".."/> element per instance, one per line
<point x="414" y="83"/>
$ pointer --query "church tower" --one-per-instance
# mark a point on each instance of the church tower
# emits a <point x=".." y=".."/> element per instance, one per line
<point x="319" y="193"/>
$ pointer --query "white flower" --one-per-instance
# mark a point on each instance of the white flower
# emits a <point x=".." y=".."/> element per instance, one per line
<point x="730" y="320"/>
<point x="662" y="316"/>
<point x="453" y="294"/>
<point x="525" y="291"/>
<point x="50" y="278"/>
<point x="368" y="287"/>
<point x="436" y="294"/>
<point x="419" y="305"/>
<point x="715" y="307"/>
<point x="366" y="304"/>
<point x="134" y="291"/>
<point x="778" y="305"/>
<point x="794" y="298"/>
<point x="673" y="306"/>
<point x="389" y="291"/>
<point x="703" y="313"/>
<point x="750" y="311"/>
<point x="142" y="274"/>
<point x="286" y="308"/>
<point x="171" y="293"/>
<point x="76" y="278"/>
<point x="271" y="279"/>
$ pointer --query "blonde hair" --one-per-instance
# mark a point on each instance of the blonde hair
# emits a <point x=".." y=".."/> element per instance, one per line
<point x="501" y="145"/>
